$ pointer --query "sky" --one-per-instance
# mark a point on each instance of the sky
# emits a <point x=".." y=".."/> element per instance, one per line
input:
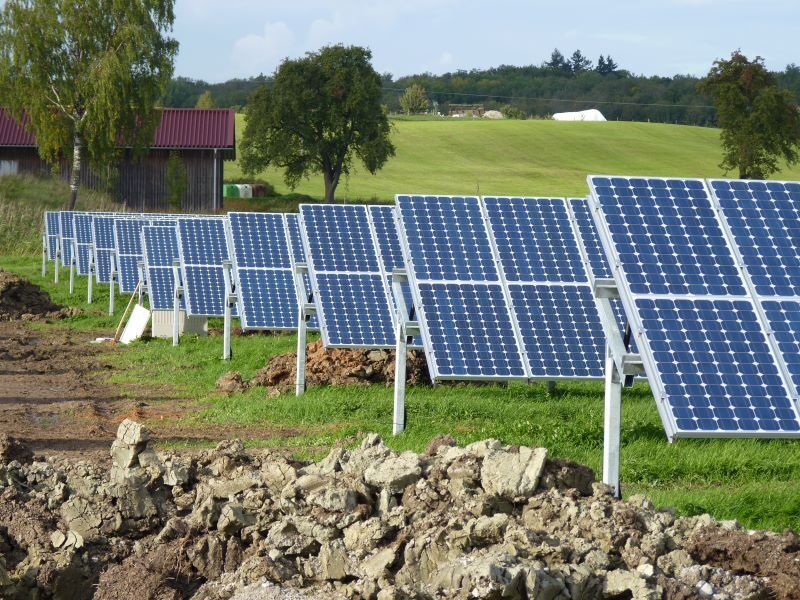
<point x="221" y="39"/>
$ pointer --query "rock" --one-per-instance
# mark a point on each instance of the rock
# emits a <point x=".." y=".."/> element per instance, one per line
<point x="231" y="383"/>
<point x="333" y="561"/>
<point x="174" y="528"/>
<point x="619" y="582"/>
<point x="232" y="519"/>
<point x="674" y="562"/>
<point x="81" y="518"/>
<point x="133" y="433"/>
<point x="57" y="538"/>
<point x="376" y="565"/>
<point x="395" y="473"/>
<point x="440" y="441"/>
<point x="176" y="472"/>
<point x="124" y="455"/>
<point x="705" y="589"/>
<point x="512" y="475"/>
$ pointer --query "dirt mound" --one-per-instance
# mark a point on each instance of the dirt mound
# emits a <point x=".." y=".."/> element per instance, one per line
<point x="20" y="299"/>
<point x="335" y="366"/>
<point x="485" y="521"/>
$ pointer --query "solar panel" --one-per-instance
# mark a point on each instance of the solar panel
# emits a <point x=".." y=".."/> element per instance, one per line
<point x="203" y="246"/>
<point x="159" y="252"/>
<point x="128" y="249"/>
<point x="550" y="290"/>
<point x="51" y="219"/>
<point x="82" y="225"/>
<point x="347" y="278"/>
<point x="103" y="247"/>
<point x="262" y="265"/>
<point x="703" y="343"/>
<point x="467" y="327"/>
<point x="298" y="254"/>
<point x="65" y="235"/>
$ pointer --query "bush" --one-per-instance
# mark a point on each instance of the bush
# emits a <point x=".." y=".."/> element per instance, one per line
<point x="512" y="112"/>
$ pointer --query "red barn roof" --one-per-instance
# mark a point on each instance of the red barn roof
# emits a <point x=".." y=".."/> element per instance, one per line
<point x="180" y="128"/>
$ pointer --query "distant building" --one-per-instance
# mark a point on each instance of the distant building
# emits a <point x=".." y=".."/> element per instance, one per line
<point x="204" y="139"/>
<point x="466" y="110"/>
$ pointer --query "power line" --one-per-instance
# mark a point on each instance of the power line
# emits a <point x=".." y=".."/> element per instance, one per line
<point x="540" y="99"/>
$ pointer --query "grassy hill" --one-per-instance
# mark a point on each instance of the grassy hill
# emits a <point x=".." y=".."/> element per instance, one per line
<point x="538" y="158"/>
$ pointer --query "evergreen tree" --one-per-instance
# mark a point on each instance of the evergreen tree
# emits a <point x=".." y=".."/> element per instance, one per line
<point x="557" y="61"/>
<point x="206" y="100"/>
<point x="579" y="63"/>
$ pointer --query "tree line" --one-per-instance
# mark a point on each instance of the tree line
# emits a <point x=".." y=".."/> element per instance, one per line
<point x="559" y="84"/>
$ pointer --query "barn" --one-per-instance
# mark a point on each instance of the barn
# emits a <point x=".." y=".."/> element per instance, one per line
<point x="203" y="138"/>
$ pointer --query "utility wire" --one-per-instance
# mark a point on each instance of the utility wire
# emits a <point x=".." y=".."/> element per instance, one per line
<point x="540" y="99"/>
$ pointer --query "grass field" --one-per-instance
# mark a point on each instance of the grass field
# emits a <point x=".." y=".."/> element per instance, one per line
<point x="755" y="481"/>
<point x="534" y="158"/>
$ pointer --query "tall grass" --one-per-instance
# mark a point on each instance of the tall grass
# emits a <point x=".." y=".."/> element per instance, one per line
<point x="23" y="201"/>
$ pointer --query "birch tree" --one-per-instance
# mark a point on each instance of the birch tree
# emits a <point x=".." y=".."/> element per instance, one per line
<point x="85" y="76"/>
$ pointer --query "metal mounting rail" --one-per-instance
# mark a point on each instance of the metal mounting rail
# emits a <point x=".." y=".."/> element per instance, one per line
<point x="306" y="308"/>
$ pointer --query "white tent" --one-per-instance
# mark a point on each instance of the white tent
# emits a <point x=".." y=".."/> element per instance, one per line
<point x="583" y="115"/>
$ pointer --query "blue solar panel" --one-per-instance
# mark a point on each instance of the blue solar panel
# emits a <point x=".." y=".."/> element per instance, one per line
<point x="784" y="321"/>
<point x="203" y="247"/>
<point x="51" y="219"/>
<point x="667" y="237"/>
<point x="263" y="270"/>
<point x="466" y="324"/>
<point x="350" y="290"/>
<point x="707" y="355"/>
<point x="128" y="249"/>
<point x="103" y="245"/>
<point x="549" y="286"/>
<point x="159" y="252"/>
<point x="65" y="235"/>
<point x="82" y="225"/>
<point x="298" y="255"/>
<point x="764" y="219"/>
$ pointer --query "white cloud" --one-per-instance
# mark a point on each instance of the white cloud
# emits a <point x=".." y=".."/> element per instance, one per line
<point x="446" y="59"/>
<point x="262" y="53"/>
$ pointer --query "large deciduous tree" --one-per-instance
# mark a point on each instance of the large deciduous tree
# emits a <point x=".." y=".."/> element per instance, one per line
<point x="414" y="100"/>
<point x="760" y="122"/>
<point x="322" y="111"/>
<point x="86" y="74"/>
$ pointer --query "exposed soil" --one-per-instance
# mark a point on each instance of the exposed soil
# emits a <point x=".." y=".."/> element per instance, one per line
<point x="20" y="299"/>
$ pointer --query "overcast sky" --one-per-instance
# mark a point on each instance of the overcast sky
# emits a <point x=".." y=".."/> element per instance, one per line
<point x="220" y="39"/>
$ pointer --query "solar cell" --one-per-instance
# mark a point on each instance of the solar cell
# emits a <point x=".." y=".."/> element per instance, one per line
<point x="263" y="271"/>
<point x="159" y="252"/>
<point x="298" y="255"/>
<point x="703" y="342"/>
<point x="346" y="276"/>
<point x="203" y="246"/>
<point x="82" y="225"/>
<point x="467" y="327"/>
<point x="128" y="251"/>
<point x="103" y="247"/>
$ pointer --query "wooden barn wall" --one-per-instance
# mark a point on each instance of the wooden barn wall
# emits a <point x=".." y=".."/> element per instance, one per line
<point x="141" y="183"/>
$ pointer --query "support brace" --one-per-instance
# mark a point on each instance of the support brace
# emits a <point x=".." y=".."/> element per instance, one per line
<point x="404" y="329"/>
<point x="112" y="279"/>
<point x="305" y="310"/>
<point x="177" y="295"/>
<point x="621" y="366"/>
<point x="58" y="263"/>
<point x="72" y="261"/>
<point x="230" y="301"/>
<point x="90" y="282"/>
<point x="142" y="282"/>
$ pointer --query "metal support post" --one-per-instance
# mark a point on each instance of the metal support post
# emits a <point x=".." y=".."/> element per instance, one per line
<point x="229" y="299"/>
<point x="112" y="278"/>
<point x="58" y="263"/>
<point x="142" y="282"/>
<point x="305" y="309"/>
<point x="44" y="255"/>
<point x="177" y="293"/>
<point x="404" y="329"/>
<point x="611" y="425"/>
<point x="90" y="283"/>
<point x="72" y="261"/>
<point x="551" y="387"/>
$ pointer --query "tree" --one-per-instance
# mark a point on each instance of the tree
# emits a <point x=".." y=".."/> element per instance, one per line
<point x="760" y="122"/>
<point x="557" y="61"/>
<point x="206" y="100"/>
<point x="512" y="112"/>
<point x="87" y="74"/>
<point x="414" y="100"/>
<point x="322" y="112"/>
<point x="177" y="180"/>
<point x="606" y="65"/>
<point x="579" y="63"/>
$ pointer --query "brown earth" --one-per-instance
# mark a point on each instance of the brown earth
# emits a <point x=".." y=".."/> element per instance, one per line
<point x="20" y="299"/>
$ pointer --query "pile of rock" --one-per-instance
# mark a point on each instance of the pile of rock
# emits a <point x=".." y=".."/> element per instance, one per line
<point x="484" y="521"/>
<point x="335" y="366"/>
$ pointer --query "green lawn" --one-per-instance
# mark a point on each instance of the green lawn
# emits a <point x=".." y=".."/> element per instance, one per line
<point x="534" y="158"/>
<point x="755" y="481"/>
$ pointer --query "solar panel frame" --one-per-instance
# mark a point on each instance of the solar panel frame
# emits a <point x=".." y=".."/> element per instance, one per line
<point x="128" y="252"/>
<point x="158" y="259"/>
<point x="66" y="235"/>
<point x="82" y="228"/>
<point x="688" y="301"/>
<point x="51" y="219"/>
<point x="197" y="276"/>
<point x="465" y="279"/>
<point x="333" y="281"/>
<point x="262" y="280"/>
<point x="549" y="284"/>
